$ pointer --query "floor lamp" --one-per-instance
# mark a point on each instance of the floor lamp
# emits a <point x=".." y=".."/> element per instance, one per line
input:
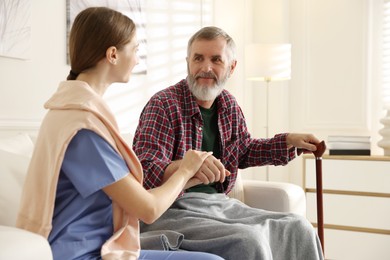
<point x="268" y="62"/>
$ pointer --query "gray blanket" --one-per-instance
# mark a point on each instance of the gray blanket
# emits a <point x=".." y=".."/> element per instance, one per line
<point x="217" y="224"/>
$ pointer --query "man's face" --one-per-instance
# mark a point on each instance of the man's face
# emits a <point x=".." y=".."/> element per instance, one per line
<point x="208" y="68"/>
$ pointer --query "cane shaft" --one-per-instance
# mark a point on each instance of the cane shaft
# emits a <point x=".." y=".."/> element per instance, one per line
<point x="320" y="208"/>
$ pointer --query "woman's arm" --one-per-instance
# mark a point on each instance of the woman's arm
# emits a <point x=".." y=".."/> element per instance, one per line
<point x="149" y="205"/>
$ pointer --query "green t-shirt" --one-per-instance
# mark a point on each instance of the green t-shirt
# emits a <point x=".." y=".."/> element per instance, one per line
<point x="210" y="142"/>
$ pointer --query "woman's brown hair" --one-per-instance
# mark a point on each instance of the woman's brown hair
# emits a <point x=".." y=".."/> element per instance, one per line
<point x="94" y="30"/>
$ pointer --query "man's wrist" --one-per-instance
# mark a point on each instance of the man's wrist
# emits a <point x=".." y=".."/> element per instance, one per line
<point x="288" y="141"/>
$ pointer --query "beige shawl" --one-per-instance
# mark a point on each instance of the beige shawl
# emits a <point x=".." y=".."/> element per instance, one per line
<point x="73" y="107"/>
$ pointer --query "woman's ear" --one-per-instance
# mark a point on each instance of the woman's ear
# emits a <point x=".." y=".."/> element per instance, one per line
<point x="112" y="55"/>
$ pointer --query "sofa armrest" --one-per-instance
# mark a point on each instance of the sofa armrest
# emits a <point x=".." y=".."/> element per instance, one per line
<point x="275" y="196"/>
<point x="19" y="244"/>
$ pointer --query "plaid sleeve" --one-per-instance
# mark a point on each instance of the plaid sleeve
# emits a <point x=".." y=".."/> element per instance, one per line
<point x="154" y="142"/>
<point x="267" y="151"/>
<point x="280" y="154"/>
<point x="259" y="151"/>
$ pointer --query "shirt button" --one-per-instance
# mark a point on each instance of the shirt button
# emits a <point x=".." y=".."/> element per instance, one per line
<point x="200" y="128"/>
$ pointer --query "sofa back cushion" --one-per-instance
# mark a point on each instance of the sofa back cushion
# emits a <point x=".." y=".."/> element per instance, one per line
<point x="15" y="154"/>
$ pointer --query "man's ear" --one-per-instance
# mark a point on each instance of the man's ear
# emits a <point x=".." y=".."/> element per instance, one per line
<point x="232" y="67"/>
<point x="112" y="54"/>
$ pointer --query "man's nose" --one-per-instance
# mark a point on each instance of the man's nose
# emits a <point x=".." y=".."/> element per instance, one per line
<point x="207" y="66"/>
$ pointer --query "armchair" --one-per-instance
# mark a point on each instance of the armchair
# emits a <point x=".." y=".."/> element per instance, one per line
<point x="15" y="151"/>
<point x="272" y="196"/>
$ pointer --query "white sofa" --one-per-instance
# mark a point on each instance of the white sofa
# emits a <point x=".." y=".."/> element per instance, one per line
<point x="15" y="244"/>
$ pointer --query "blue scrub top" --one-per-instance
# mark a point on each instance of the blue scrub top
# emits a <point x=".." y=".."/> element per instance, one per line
<point x="82" y="219"/>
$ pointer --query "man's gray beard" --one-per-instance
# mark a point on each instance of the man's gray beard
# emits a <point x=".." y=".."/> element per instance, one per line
<point x="205" y="93"/>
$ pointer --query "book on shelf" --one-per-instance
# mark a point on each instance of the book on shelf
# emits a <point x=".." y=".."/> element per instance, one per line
<point x="349" y="152"/>
<point x="349" y="145"/>
<point x="349" y="138"/>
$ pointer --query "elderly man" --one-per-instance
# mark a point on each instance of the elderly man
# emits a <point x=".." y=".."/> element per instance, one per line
<point x="198" y="113"/>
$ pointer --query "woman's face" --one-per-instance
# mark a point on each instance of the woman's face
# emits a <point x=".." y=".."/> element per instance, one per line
<point x="127" y="59"/>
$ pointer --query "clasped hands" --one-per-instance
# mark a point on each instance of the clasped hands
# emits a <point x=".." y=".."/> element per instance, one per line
<point x="212" y="170"/>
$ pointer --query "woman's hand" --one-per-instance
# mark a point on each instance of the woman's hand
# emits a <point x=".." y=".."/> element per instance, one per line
<point x="192" y="161"/>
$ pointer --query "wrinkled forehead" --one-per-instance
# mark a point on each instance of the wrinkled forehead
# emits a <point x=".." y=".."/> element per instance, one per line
<point x="209" y="48"/>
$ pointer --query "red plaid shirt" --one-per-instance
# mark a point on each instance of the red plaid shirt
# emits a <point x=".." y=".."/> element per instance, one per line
<point x="171" y="123"/>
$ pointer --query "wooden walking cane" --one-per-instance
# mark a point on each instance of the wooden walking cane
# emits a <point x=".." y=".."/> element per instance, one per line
<point x="321" y="147"/>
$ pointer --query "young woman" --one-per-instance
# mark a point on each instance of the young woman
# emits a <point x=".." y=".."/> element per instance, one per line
<point x="83" y="189"/>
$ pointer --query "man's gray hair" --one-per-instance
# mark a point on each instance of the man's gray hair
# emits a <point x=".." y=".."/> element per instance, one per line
<point x="211" y="33"/>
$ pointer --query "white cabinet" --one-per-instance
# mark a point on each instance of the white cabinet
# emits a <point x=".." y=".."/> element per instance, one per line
<point x="356" y="198"/>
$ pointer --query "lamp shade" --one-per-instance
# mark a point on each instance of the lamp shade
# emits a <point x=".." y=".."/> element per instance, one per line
<point x="268" y="62"/>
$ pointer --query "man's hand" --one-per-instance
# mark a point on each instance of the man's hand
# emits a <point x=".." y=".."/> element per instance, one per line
<point x="212" y="170"/>
<point x="192" y="161"/>
<point x="305" y="141"/>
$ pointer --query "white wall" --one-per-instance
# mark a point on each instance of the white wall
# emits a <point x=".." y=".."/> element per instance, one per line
<point x="330" y="92"/>
<point x="26" y="85"/>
